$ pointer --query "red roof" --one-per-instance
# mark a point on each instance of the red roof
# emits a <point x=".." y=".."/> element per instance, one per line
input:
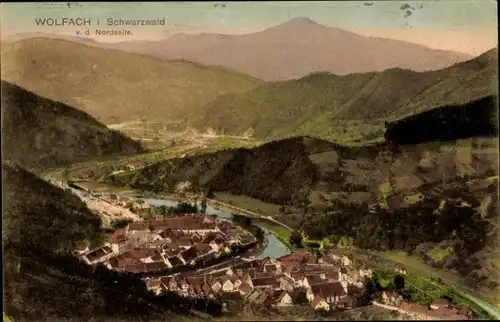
<point x="245" y="288"/>
<point x="118" y="236"/>
<point x="328" y="289"/>
<point x="266" y="281"/>
<point x="187" y="222"/>
<point x="139" y="252"/>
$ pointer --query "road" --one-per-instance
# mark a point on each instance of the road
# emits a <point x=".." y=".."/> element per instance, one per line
<point x="492" y="310"/>
<point x="244" y="211"/>
<point x="381" y="262"/>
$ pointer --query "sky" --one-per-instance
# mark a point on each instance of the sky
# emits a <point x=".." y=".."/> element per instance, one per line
<point x="468" y="26"/>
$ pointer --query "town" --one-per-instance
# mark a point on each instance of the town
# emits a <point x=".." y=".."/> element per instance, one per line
<point x="201" y="256"/>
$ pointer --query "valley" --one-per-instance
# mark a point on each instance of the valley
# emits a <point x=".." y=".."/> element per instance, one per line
<point x="289" y="169"/>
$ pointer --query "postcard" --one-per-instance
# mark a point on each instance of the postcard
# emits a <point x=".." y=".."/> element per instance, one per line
<point x="279" y="160"/>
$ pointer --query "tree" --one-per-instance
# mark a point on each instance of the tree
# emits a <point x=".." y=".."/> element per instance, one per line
<point x="195" y="202"/>
<point x="296" y="239"/>
<point x="204" y="205"/>
<point x="259" y="233"/>
<point x="299" y="297"/>
<point x="399" y="282"/>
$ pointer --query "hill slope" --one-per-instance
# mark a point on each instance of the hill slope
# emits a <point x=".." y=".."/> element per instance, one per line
<point x="475" y="118"/>
<point x="313" y="105"/>
<point x="115" y="86"/>
<point x="295" y="48"/>
<point x="370" y="197"/>
<point x="43" y="282"/>
<point x="38" y="132"/>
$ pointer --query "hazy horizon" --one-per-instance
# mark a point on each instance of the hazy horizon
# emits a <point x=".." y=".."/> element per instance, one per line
<point x="444" y="25"/>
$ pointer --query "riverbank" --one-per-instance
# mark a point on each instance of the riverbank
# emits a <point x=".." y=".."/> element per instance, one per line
<point x="277" y="238"/>
<point x="281" y="231"/>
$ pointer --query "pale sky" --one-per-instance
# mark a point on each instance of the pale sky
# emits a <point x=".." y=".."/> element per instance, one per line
<point x="469" y="26"/>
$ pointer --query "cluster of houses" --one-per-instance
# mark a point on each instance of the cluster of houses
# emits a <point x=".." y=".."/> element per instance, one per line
<point x="439" y="309"/>
<point x="157" y="245"/>
<point x="297" y="278"/>
<point x="122" y="201"/>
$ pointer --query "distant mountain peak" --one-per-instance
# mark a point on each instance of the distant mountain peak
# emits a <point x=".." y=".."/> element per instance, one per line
<point x="302" y="20"/>
<point x="299" y="22"/>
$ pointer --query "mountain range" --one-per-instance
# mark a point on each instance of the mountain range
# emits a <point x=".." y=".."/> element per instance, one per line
<point x="115" y="86"/>
<point x="328" y="105"/>
<point x="290" y="50"/>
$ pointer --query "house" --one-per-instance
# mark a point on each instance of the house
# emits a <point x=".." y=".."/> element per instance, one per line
<point x="203" y="250"/>
<point x="271" y="268"/>
<point x="332" y="293"/>
<point x="139" y="253"/>
<point x="82" y="248"/>
<point x="253" y="296"/>
<point x="206" y="289"/>
<point x="214" y="240"/>
<point x="365" y="272"/>
<point x="245" y="289"/>
<point x="343" y="274"/>
<point x="391" y="298"/>
<point x="263" y="299"/>
<point x="196" y="238"/>
<point x="154" y="284"/>
<point x="230" y="283"/>
<point x="346" y="302"/>
<point x="216" y="286"/>
<point x="246" y="279"/>
<point x="353" y="290"/>
<point x="189" y="255"/>
<point x="263" y="275"/>
<point x="171" y="249"/>
<point x="288" y="268"/>
<point x="265" y="282"/>
<point x="246" y="240"/>
<point x="184" y="242"/>
<point x="100" y="255"/>
<point x="320" y="304"/>
<point x="284" y="299"/>
<point x="440" y="303"/>
<point x="142" y="204"/>
<point x="286" y="283"/>
<point x="299" y="257"/>
<point x="183" y="285"/>
<point x="332" y="276"/>
<point x="298" y="278"/>
<point x="312" y="279"/>
<point x="154" y="267"/>
<point x="170" y="283"/>
<point x="175" y="261"/>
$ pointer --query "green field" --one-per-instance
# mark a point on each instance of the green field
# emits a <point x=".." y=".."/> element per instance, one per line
<point x="416" y="265"/>
<point x="248" y="203"/>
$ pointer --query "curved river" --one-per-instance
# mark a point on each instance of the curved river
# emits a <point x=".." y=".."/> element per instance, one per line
<point x="274" y="249"/>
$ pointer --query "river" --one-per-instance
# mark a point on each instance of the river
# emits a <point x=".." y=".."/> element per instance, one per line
<point x="274" y="249"/>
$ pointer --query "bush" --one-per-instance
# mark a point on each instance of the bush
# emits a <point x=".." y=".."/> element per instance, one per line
<point x="296" y="239"/>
